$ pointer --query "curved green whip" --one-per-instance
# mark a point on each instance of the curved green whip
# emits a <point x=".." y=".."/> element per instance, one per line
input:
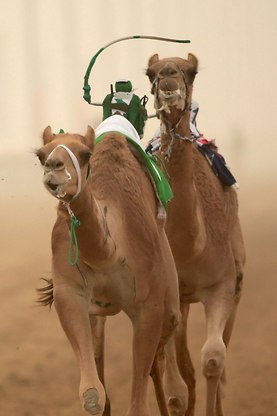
<point x="86" y="87"/>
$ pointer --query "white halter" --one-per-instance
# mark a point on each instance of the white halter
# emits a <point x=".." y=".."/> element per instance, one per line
<point x="76" y="165"/>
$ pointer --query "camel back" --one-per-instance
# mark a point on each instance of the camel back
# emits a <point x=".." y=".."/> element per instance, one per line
<point x="162" y="188"/>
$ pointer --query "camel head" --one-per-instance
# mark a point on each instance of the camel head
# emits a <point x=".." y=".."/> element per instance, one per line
<point x="65" y="161"/>
<point x="172" y="80"/>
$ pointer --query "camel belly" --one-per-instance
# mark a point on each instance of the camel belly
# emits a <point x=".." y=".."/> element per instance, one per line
<point x="196" y="279"/>
<point x="111" y="290"/>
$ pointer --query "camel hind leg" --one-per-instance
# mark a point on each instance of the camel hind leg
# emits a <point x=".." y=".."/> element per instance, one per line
<point x="175" y="388"/>
<point x="184" y="359"/>
<point x="226" y="338"/>
<point x="147" y="328"/>
<point x="166" y="377"/>
<point x="220" y="308"/>
<point x="157" y="377"/>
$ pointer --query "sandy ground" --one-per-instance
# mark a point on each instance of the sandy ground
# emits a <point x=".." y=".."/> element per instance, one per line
<point x="39" y="374"/>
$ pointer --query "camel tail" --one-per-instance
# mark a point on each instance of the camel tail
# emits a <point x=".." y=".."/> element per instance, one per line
<point x="45" y="293"/>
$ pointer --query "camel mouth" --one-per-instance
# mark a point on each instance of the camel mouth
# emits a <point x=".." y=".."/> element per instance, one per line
<point x="167" y="99"/>
<point x="169" y="95"/>
<point x="55" y="189"/>
<point x="52" y="186"/>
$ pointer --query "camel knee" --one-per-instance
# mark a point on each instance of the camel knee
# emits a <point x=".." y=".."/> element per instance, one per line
<point x="174" y="318"/>
<point x="171" y="322"/>
<point x="213" y="358"/>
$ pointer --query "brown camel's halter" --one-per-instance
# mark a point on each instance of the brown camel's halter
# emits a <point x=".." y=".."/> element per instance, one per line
<point x="171" y="130"/>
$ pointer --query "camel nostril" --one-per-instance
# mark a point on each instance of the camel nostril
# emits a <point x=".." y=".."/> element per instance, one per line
<point x="47" y="164"/>
<point x="168" y="84"/>
<point x="59" y="165"/>
<point x="168" y="72"/>
<point x="54" y="164"/>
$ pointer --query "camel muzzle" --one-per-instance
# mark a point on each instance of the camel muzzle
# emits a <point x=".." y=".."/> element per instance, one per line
<point x="168" y="86"/>
<point x="56" y="175"/>
<point x="54" y="185"/>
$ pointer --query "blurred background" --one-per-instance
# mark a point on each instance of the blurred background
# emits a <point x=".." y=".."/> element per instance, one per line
<point x="46" y="46"/>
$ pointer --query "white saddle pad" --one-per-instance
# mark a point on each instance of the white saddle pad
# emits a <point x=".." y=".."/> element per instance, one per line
<point x="119" y="124"/>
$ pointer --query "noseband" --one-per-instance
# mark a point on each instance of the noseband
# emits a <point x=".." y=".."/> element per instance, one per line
<point x="76" y="166"/>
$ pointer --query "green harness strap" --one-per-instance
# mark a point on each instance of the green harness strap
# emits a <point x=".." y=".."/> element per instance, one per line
<point x="73" y="241"/>
<point x="163" y="188"/>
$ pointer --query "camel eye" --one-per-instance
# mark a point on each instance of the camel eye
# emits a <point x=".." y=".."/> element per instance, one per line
<point x="150" y="74"/>
<point x="84" y="157"/>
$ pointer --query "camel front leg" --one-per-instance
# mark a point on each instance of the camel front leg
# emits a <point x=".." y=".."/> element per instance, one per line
<point x="226" y="338"/>
<point x="219" y="309"/>
<point x="72" y="308"/>
<point x="98" y="337"/>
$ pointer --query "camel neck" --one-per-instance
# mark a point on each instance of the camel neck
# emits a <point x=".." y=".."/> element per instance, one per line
<point x="90" y="234"/>
<point x="176" y="146"/>
<point x="184" y="205"/>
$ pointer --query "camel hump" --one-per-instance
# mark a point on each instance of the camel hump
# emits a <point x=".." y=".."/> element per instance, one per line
<point x="121" y="125"/>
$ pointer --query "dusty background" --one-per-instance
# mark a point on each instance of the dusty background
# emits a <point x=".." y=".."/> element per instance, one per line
<point x="39" y="374"/>
<point x="45" y="48"/>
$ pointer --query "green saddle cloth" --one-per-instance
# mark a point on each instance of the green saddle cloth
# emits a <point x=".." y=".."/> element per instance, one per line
<point x="163" y="189"/>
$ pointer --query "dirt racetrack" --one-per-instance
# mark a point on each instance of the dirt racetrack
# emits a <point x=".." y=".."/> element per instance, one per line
<point x="39" y="375"/>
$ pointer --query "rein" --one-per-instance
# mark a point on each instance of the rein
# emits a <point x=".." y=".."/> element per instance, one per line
<point x="73" y="238"/>
<point x="173" y="136"/>
<point x="171" y="131"/>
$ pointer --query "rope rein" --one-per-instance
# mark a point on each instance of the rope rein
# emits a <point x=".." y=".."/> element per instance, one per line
<point x="75" y="223"/>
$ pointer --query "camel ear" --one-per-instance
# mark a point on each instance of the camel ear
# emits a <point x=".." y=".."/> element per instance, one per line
<point x="193" y="61"/>
<point x="47" y="136"/>
<point x="89" y="137"/>
<point x="154" y="58"/>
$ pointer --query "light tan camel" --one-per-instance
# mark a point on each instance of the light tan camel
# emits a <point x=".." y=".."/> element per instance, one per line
<point x="202" y="227"/>
<point x="122" y="258"/>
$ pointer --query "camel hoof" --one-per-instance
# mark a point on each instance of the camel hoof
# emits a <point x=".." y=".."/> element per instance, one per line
<point x="176" y="406"/>
<point x="91" y="399"/>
